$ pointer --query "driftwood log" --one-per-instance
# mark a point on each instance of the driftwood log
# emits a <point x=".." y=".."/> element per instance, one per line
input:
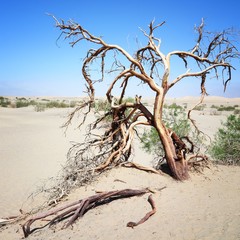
<point x="77" y="209"/>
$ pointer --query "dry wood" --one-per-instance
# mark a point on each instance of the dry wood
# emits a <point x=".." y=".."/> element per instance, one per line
<point x="147" y="216"/>
<point x="78" y="208"/>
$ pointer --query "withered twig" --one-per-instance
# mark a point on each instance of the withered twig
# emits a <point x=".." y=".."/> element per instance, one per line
<point x="147" y="216"/>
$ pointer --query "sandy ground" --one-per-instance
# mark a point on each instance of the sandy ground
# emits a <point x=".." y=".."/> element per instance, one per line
<point x="33" y="148"/>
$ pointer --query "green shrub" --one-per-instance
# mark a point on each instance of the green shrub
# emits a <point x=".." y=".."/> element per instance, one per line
<point x="22" y="102"/>
<point x="4" y="102"/>
<point x="226" y="108"/>
<point x="175" y="119"/>
<point x="226" y="146"/>
<point x="174" y="106"/>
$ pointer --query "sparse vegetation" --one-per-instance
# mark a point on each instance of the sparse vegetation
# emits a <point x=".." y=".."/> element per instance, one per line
<point x="22" y="102"/>
<point x="39" y="105"/>
<point x="226" y="145"/>
<point x="224" y="108"/>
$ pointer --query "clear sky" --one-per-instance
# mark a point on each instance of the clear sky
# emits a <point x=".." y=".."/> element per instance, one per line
<point x="34" y="63"/>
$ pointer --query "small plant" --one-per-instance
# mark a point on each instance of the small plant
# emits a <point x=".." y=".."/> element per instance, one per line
<point x="226" y="145"/>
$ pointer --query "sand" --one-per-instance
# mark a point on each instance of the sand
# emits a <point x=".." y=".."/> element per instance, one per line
<point x="34" y="147"/>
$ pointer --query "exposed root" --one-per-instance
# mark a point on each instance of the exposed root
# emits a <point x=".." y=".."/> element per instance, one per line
<point x="198" y="163"/>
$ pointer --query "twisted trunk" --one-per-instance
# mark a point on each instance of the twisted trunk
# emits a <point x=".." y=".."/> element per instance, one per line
<point x="174" y="155"/>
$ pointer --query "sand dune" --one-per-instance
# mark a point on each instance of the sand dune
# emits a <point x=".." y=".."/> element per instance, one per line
<point x="34" y="147"/>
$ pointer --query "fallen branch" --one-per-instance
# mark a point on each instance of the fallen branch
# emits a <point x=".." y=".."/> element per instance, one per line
<point x="78" y="208"/>
<point x="147" y="216"/>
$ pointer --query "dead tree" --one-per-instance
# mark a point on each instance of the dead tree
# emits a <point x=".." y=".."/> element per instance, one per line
<point x="211" y="56"/>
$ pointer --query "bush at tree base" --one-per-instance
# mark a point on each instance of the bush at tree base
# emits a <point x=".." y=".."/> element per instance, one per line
<point x="176" y="119"/>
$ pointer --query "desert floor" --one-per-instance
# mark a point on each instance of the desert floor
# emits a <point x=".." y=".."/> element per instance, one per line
<point x="34" y="147"/>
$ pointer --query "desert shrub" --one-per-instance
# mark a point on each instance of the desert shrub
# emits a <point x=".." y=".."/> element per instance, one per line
<point x="52" y="104"/>
<point x="176" y="119"/>
<point x="4" y="102"/>
<point x="226" y="145"/>
<point x="226" y="108"/>
<point x="22" y="102"/>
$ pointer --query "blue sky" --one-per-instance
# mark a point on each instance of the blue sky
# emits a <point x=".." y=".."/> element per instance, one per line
<point x="34" y="63"/>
